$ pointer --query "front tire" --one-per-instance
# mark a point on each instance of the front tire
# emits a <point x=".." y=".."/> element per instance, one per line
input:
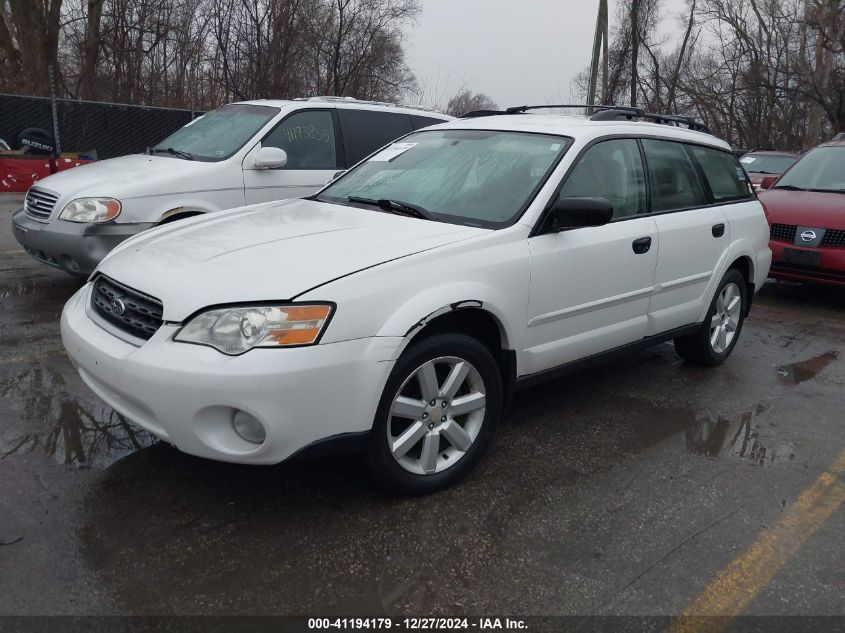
<point x="719" y="333"/>
<point x="437" y="415"/>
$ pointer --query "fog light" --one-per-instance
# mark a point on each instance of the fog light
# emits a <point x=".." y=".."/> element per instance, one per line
<point x="248" y="427"/>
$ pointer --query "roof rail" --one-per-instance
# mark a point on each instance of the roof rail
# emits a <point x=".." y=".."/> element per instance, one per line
<point x="623" y="112"/>
<point x="604" y="113"/>
<point x="478" y="113"/>
<point x="333" y="99"/>
<point x="522" y="109"/>
<point x="582" y="106"/>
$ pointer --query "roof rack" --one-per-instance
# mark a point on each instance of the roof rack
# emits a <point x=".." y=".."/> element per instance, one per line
<point x="526" y="108"/>
<point x="603" y="113"/>
<point x="623" y="112"/>
<point x="333" y="99"/>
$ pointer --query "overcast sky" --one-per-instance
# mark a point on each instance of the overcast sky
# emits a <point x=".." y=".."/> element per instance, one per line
<point x="516" y="51"/>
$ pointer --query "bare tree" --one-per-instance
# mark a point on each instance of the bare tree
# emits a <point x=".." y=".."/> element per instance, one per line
<point x="467" y="101"/>
<point x="29" y="43"/>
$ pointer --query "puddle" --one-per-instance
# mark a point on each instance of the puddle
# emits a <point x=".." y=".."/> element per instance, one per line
<point x="795" y="373"/>
<point x="737" y="440"/>
<point x="68" y="429"/>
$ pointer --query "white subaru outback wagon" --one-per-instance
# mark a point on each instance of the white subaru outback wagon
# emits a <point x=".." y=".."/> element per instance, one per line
<point x="403" y="303"/>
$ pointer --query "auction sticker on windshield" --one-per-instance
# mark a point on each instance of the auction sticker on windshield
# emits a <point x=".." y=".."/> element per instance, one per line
<point x="389" y="153"/>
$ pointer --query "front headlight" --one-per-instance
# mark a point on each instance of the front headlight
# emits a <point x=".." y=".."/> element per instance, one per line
<point x="238" y="329"/>
<point x="91" y="210"/>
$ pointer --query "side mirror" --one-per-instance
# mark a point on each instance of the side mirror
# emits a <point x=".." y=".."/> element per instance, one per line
<point x="334" y="177"/>
<point x="270" y="158"/>
<point x="768" y="181"/>
<point x="580" y="212"/>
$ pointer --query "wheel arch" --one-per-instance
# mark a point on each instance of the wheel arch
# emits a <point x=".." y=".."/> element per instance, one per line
<point x="457" y="304"/>
<point x="180" y="213"/>
<point x="745" y="265"/>
<point x="482" y="319"/>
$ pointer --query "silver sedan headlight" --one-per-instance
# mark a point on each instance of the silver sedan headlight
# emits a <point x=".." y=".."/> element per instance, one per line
<point x="91" y="210"/>
<point x="237" y="329"/>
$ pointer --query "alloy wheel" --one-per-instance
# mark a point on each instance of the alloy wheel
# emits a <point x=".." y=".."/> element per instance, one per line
<point x="725" y="319"/>
<point x="436" y="415"/>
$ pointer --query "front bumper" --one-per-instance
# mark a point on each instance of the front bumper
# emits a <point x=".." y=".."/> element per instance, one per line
<point x="75" y="247"/>
<point x="187" y="394"/>
<point x="830" y="271"/>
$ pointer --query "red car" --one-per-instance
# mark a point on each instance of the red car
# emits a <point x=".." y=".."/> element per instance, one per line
<point x="759" y="165"/>
<point x="806" y="211"/>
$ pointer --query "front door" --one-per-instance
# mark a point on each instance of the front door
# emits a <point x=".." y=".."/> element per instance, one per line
<point x="309" y="139"/>
<point x="590" y="287"/>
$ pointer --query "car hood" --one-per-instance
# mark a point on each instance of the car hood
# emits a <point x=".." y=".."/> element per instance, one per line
<point x="272" y="251"/>
<point x="804" y="208"/>
<point x="125" y="177"/>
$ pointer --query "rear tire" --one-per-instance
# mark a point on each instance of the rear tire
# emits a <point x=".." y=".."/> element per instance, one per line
<point x="437" y="415"/>
<point x="719" y="333"/>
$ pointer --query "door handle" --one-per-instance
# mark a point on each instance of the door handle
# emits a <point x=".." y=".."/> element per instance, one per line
<point x="718" y="230"/>
<point x="641" y="245"/>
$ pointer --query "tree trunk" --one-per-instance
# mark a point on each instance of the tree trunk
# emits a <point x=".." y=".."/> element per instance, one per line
<point x="88" y="74"/>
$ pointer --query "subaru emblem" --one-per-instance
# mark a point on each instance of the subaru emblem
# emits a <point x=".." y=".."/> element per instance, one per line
<point x="808" y="236"/>
<point x="118" y="307"/>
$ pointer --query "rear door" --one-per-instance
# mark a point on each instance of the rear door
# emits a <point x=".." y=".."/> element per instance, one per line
<point x="694" y="234"/>
<point x="311" y="141"/>
<point x="590" y="287"/>
<point x="364" y="131"/>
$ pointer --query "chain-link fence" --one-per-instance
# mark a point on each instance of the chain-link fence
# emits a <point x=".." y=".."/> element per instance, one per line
<point x="109" y="129"/>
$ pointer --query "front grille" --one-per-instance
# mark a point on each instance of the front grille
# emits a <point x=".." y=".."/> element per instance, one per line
<point x="129" y="310"/>
<point x="39" y="204"/>
<point x="834" y="237"/>
<point x="783" y="232"/>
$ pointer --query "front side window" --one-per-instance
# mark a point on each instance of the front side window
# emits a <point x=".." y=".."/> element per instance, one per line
<point x="308" y="139"/>
<point x="218" y="134"/>
<point x="726" y="177"/>
<point x="475" y="177"/>
<point x="612" y="170"/>
<point x="673" y="180"/>
<point x="822" y="169"/>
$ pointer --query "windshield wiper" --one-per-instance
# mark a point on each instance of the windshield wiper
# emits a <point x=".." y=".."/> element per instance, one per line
<point x="789" y="187"/>
<point x="172" y="151"/>
<point x="398" y="207"/>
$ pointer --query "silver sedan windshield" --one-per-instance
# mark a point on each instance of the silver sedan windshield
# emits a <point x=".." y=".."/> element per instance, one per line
<point x="218" y="134"/>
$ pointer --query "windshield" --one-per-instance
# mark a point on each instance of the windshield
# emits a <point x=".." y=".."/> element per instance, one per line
<point x="822" y="169"/>
<point x="217" y="134"/>
<point x="475" y="177"/>
<point x="766" y="164"/>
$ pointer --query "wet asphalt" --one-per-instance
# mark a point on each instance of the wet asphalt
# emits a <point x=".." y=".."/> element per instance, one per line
<point x="619" y="491"/>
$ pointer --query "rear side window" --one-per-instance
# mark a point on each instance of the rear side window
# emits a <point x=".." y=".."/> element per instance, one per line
<point x="726" y="177"/>
<point x="308" y="139"/>
<point x="424" y="121"/>
<point x="673" y="179"/>
<point x="364" y="131"/>
<point x="612" y="170"/>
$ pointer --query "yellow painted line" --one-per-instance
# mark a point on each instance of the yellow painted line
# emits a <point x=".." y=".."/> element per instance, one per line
<point x="10" y="251"/>
<point x="740" y="582"/>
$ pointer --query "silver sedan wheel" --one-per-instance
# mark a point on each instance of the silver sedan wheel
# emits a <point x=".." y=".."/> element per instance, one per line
<point x="725" y="318"/>
<point x="436" y="415"/>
